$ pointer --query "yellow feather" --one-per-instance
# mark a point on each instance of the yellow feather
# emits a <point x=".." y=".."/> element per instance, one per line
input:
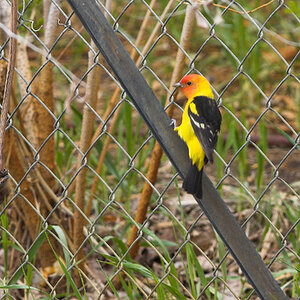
<point x="193" y="108"/>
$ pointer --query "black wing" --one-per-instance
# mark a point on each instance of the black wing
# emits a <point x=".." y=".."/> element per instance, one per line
<point x="206" y="123"/>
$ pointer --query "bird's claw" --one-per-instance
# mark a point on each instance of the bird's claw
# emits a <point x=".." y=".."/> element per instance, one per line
<point x="173" y="123"/>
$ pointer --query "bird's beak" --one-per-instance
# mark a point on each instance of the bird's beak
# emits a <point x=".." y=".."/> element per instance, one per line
<point x="178" y="85"/>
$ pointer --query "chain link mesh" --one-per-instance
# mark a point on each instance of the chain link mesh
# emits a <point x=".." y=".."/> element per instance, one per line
<point x="252" y="61"/>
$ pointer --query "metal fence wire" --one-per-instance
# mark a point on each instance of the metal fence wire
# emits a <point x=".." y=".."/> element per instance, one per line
<point x="95" y="209"/>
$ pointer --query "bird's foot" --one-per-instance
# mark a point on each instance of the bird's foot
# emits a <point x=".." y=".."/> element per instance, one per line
<point x="173" y="123"/>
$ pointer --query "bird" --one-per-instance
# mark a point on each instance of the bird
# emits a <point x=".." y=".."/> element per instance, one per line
<point x="199" y="129"/>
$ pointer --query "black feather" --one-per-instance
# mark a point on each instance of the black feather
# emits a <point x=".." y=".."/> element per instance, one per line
<point x="192" y="183"/>
<point x="206" y="123"/>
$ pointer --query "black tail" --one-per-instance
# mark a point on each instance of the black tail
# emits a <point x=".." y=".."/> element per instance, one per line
<point x="193" y="181"/>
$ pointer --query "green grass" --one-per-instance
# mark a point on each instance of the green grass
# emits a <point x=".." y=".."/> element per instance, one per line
<point x="242" y="100"/>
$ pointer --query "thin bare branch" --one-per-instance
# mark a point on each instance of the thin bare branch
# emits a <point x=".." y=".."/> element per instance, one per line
<point x="157" y="151"/>
<point x="9" y="80"/>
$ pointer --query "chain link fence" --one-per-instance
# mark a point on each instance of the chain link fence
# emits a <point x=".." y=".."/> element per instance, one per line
<point x="85" y="171"/>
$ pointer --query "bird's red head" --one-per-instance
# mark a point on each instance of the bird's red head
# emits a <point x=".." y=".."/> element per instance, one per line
<point x="195" y="85"/>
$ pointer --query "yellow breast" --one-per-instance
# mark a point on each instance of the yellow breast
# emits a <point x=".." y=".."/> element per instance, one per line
<point x="186" y="133"/>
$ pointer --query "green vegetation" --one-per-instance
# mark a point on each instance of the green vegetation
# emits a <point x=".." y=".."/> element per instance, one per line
<point x="181" y="256"/>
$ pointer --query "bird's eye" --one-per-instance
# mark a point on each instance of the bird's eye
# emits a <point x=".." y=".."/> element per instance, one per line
<point x="188" y="83"/>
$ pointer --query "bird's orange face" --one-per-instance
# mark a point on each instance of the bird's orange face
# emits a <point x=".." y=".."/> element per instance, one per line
<point x="195" y="85"/>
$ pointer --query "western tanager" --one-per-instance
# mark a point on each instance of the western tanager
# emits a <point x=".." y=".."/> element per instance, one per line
<point x="199" y="129"/>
